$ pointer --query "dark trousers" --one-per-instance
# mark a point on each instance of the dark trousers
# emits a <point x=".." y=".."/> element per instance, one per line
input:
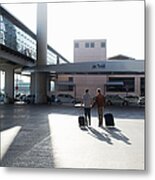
<point x="100" y="115"/>
<point x="87" y="114"/>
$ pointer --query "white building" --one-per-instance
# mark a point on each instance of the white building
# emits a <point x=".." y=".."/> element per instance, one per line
<point x="86" y="51"/>
<point x="89" y="50"/>
<point x="95" y="50"/>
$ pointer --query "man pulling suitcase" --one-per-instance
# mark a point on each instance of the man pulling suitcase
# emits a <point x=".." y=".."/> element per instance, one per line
<point x="100" y="102"/>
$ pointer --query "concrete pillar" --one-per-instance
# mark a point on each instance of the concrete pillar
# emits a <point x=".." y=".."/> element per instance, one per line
<point x="42" y="34"/>
<point x="9" y="82"/>
<point x="48" y="84"/>
<point x="41" y="77"/>
<point x="32" y="83"/>
<point x="137" y="85"/>
<point x="41" y="91"/>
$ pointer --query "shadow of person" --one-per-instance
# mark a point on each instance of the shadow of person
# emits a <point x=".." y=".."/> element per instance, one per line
<point x="116" y="133"/>
<point x="84" y="128"/>
<point x="100" y="136"/>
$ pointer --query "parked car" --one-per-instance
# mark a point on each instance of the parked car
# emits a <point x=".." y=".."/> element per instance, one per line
<point x="23" y="97"/>
<point x="65" y="98"/>
<point x="20" y="97"/>
<point x="17" y="97"/>
<point x="29" y="99"/>
<point x="141" y="101"/>
<point x="130" y="99"/>
<point x="115" y="99"/>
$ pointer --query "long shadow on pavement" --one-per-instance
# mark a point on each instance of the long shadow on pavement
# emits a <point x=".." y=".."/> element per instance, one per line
<point x="117" y="134"/>
<point x="112" y="132"/>
<point x="100" y="136"/>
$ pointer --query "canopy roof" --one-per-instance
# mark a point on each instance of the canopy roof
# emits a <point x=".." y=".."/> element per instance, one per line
<point x="96" y="67"/>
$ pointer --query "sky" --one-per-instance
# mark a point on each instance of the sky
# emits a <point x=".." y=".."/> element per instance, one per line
<point x="121" y="23"/>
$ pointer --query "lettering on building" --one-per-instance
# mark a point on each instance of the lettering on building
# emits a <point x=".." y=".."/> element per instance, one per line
<point x="98" y="66"/>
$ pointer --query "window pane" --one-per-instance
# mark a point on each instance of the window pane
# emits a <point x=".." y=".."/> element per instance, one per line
<point x="128" y="85"/>
<point x="87" y="45"/>
<point x="92" y="45"/>
<point x="102" y="44"/>
<point x="76" y="45"/>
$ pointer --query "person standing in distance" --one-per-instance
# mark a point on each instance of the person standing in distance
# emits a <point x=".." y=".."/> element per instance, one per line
<point x="87" y="106"/>
<point x="100" y="102"/>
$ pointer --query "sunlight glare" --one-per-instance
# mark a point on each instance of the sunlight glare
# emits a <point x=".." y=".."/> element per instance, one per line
<point x="7" y="138"/>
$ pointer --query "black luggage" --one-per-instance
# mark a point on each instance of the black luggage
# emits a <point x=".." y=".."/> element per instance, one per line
<point x="109" y="119"/>
<point x="81" y="120"/>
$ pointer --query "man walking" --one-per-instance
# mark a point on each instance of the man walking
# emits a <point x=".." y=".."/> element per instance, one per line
<point x="100" y="102"/>
<point x="87" y="106"/>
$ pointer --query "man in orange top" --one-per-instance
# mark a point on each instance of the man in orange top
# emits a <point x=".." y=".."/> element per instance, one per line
<point x="100" y="102"/>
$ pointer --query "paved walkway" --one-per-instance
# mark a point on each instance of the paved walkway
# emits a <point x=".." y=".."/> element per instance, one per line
<point x="48" y="136"/>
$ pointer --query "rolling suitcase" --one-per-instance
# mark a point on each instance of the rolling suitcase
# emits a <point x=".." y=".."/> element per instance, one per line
<point x="81" y="120"/>
<point x="109" y="119"/>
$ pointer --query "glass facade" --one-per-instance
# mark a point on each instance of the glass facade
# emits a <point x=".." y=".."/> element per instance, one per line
<point x="51" y="57"/>
<point x="18" y="39"/>
<point x="2" y="30"/>
<point x="61" y="61"/>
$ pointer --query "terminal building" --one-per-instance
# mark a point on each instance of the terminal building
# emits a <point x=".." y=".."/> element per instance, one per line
<point x="111" y="83"/>
<point x="25" y="53"/>
<point x="116" y="80"/>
